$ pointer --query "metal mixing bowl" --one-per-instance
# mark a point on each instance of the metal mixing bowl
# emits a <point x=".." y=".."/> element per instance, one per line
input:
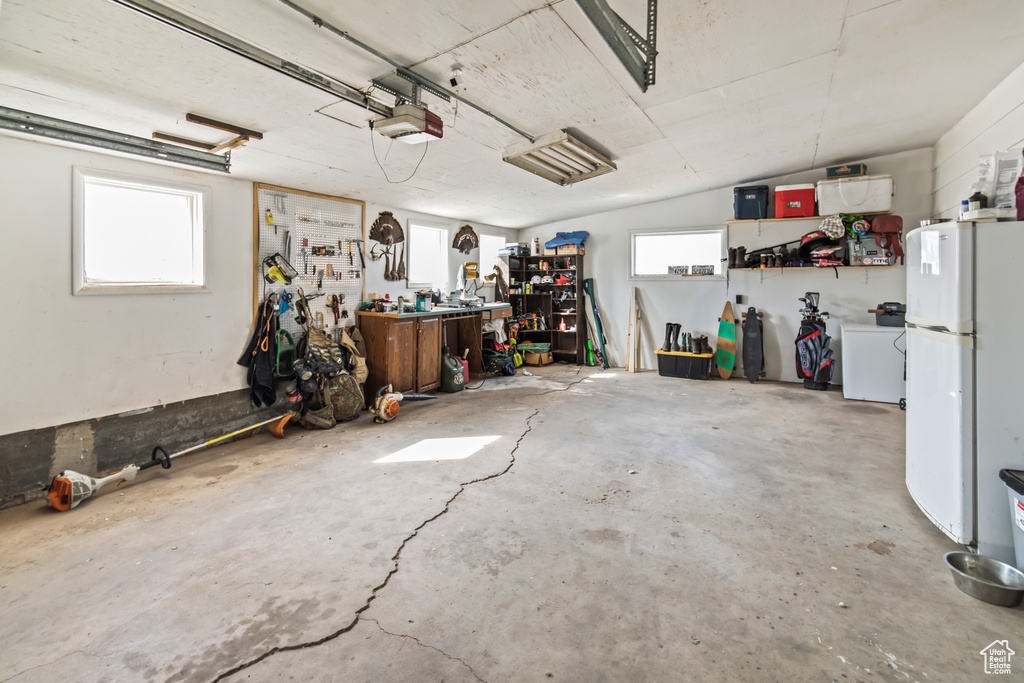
<point x="986" y="578"/>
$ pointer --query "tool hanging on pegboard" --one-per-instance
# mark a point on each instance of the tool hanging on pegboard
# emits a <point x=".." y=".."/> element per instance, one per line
<point x="318" y="234"/>
<point x="278" y="269"/>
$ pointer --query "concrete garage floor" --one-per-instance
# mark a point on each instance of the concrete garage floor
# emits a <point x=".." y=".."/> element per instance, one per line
<point x="614" y="527"/>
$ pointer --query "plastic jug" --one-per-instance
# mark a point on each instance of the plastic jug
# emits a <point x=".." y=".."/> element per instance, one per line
<point x="452" y="378"/>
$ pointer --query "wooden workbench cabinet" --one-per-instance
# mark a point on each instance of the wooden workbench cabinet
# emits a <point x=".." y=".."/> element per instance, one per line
<point x="403" y="352"/>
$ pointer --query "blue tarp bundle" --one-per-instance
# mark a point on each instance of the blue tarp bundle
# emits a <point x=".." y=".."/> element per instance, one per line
<point x="564" y="238"/>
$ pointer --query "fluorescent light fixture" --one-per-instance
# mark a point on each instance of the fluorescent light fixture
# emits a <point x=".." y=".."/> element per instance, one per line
<point x="458" y="448"/>
<point x="559" y="157"/>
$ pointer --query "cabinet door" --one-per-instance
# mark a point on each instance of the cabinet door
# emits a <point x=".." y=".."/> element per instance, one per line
<point x="402" y="354"/>
<point x="428" y="354"/>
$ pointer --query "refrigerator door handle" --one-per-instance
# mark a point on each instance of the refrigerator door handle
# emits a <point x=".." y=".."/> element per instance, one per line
<point x="965" y="340"/>
<point x="964" y="327"/>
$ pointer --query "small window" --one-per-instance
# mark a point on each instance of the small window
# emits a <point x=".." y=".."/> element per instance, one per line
<point x="672" y="254"/>
<point x="489" y="248"/>
<point x="133" y="234"/>
<point x="428" y="255"/>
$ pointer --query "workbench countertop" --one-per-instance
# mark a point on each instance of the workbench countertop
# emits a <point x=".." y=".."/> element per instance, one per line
<point x="442" y="310"/>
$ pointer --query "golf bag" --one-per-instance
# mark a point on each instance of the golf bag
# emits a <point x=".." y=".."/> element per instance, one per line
<point x="814" y="362"/>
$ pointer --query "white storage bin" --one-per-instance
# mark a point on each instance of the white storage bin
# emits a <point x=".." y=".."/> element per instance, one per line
<point x="855" y="195"/>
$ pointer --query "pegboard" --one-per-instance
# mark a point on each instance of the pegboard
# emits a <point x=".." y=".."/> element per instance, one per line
<point x="294" y="224"/>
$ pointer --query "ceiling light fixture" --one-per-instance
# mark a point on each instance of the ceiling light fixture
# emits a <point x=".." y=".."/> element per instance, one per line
<point x="559" y="157"/>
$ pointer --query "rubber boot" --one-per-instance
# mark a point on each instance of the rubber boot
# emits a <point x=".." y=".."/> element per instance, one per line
<point x="689" y="342"/>
<point x="667" y="346"/>
<point x="741" y="257"/>
<point x="732" y="257"/>
<point x="675" y="336"/>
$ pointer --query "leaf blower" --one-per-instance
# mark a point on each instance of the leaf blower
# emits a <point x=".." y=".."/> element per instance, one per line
<point x="69" y="488"/>
<point x="385" y="406"/>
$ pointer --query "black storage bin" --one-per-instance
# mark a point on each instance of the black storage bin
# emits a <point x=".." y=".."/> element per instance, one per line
<point x="892" y="315"/>
<point x="750" y="202"/>
<point x="682" y="364"/>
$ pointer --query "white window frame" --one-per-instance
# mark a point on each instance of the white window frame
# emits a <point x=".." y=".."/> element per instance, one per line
<point x="82" y="284"/>
<point x="446" y="270"/>
<point x="705" y="230"/>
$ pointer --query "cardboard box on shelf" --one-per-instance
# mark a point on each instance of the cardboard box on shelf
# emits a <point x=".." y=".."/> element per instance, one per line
<point x="531" y="358"/>
<point x="569" y="250"/>
<point x="846" y="170"/>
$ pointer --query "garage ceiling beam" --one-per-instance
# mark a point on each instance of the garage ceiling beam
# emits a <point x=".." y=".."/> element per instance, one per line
<point x="417" y="80"/>
<point x="636" y="53"/>
<point x="67" y="131"/>
<point x="182" y="22"/>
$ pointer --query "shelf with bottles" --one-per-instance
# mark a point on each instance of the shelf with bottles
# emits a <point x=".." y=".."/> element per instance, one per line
<point x="548" y="298"/>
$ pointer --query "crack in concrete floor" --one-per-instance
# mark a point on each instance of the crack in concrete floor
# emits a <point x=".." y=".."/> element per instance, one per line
<point x="428" y="646"/>
<point x="40" y="666"/>
<point x="395" y="559"/>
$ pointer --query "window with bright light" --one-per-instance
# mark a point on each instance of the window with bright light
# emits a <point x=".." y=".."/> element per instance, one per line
<point x="428" y="255"/>
<point x="673" y="254"/>
<point x="489" y="247"/>
<point x="133" y="234"/>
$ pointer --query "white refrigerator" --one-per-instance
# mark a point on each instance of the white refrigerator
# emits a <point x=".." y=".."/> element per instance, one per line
<point x="965" y="377"/>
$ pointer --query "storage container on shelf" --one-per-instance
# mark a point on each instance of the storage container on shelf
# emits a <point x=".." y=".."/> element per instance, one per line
<point x="794" y="201"/>
<point x="846" y="170"/>
<point x="866" y="194"/>
<point x="750" y="202"/>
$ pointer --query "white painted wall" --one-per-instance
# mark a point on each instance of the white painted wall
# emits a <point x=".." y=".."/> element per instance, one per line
<point x="71" y="358"/>
<point x="997" y="123"/>
<point x="68" y="358"/>
<point x="375" y="282"/>
<point x="697" y="304"/>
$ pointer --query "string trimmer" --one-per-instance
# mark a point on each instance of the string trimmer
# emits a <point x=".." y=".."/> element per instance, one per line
<point x="69" y="488"/>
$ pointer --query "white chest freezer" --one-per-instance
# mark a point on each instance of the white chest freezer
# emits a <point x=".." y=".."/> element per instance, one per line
<point x="873" y="361"/>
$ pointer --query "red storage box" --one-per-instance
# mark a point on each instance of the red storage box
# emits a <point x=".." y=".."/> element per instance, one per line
<point x="794" y="201"/>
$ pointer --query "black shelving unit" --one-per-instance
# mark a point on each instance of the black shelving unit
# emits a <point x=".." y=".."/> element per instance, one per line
<point x="552" y="302"/>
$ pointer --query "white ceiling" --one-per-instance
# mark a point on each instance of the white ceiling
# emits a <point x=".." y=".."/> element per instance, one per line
<point x="746" y="89"/>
